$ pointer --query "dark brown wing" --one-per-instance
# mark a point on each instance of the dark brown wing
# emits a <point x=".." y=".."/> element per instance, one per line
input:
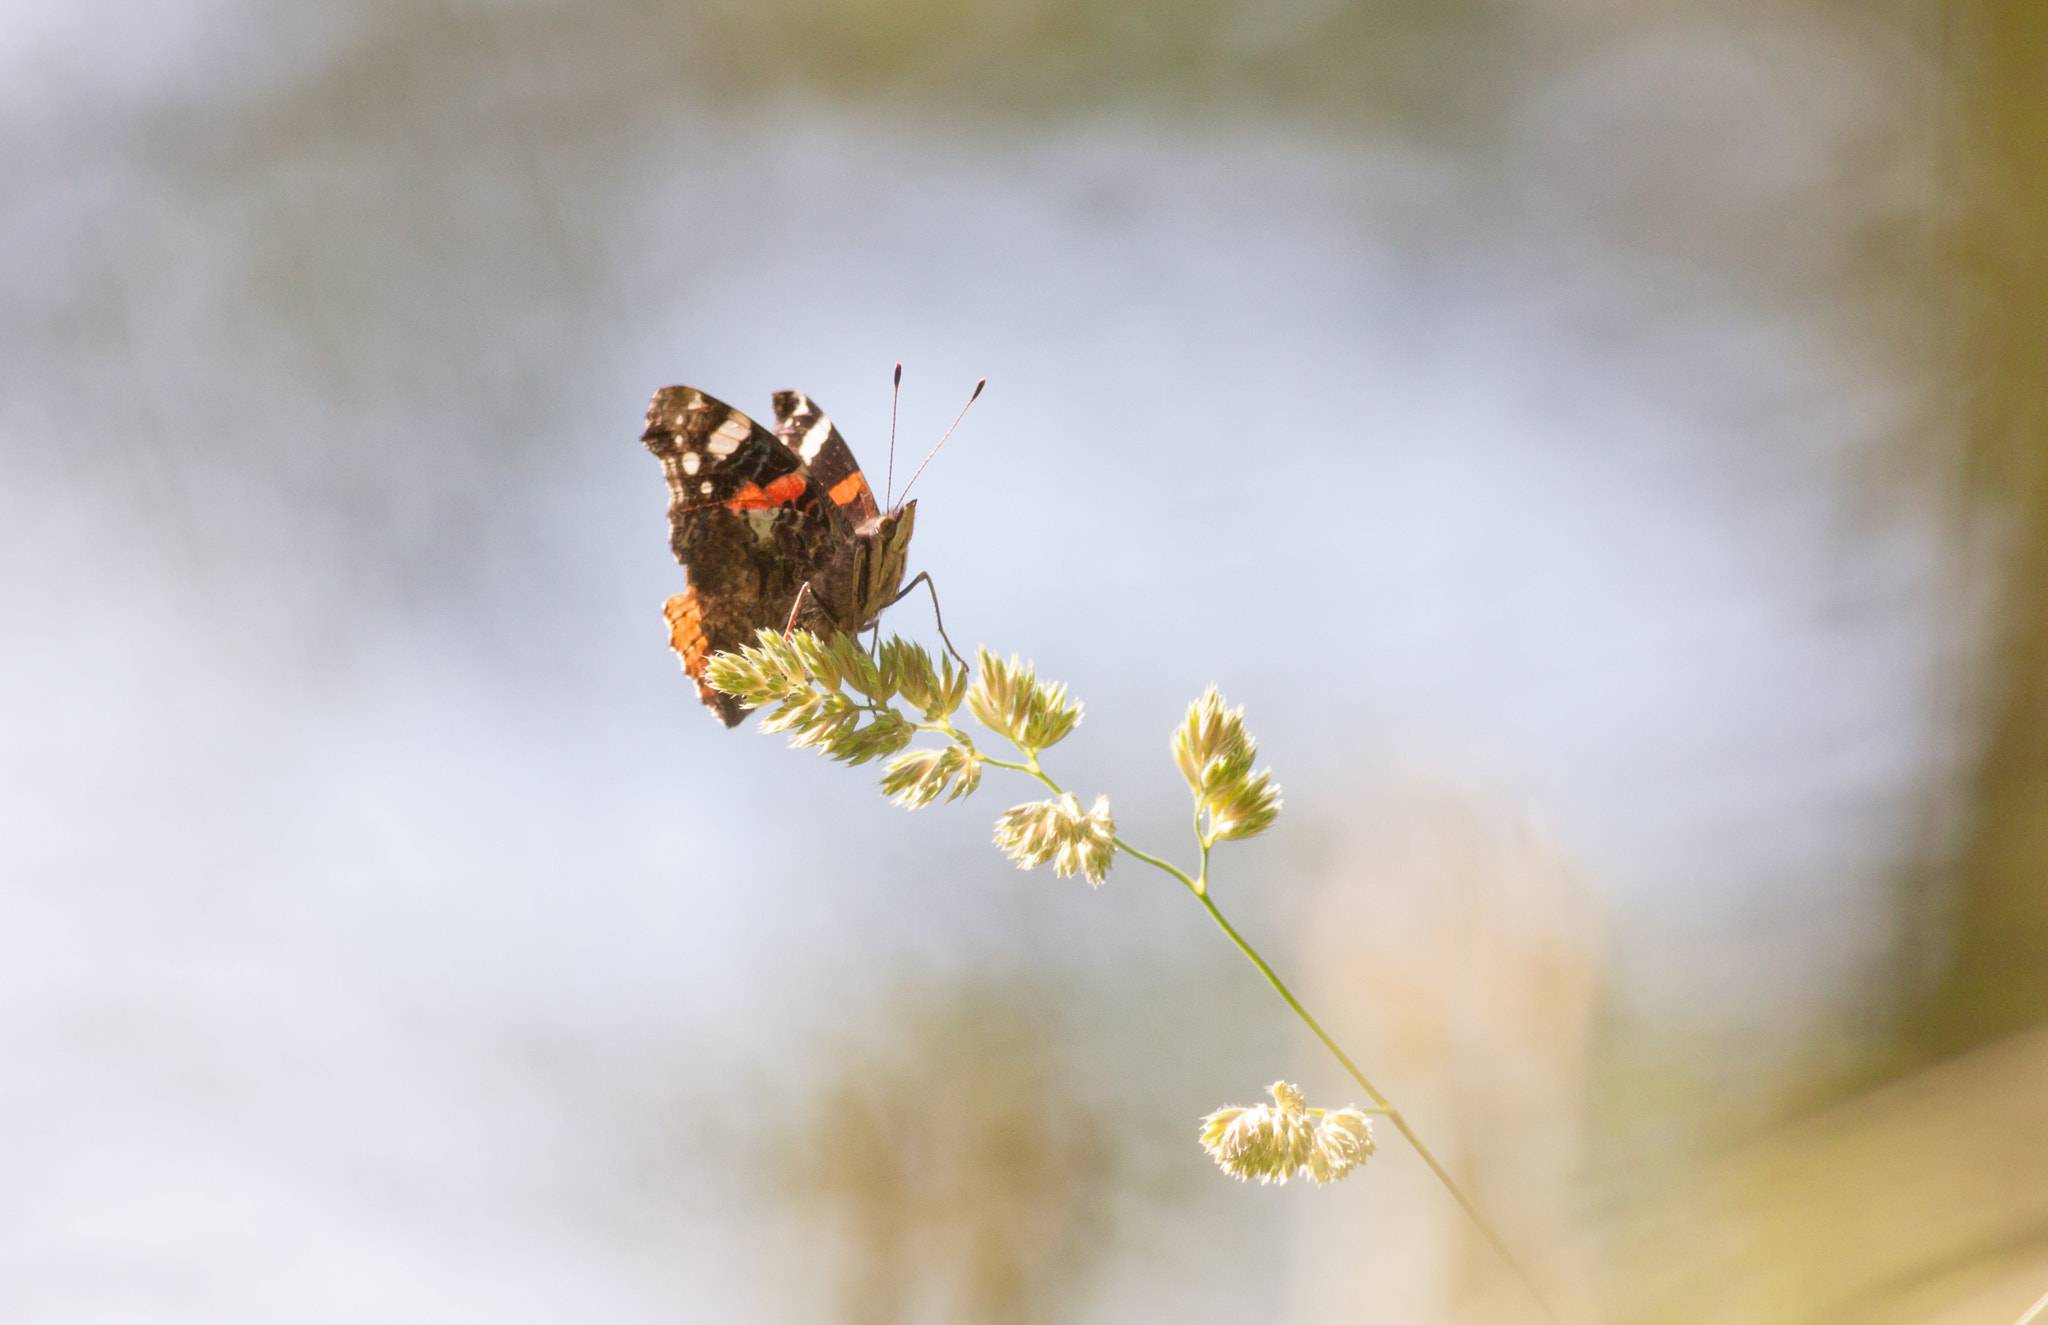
<point x="715" y="456"/>
<point x="747" y="520"/>
<point x="809" y="435"/>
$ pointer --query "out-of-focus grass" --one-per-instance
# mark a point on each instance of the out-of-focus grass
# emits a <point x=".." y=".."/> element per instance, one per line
<point x="952" y="1159"/>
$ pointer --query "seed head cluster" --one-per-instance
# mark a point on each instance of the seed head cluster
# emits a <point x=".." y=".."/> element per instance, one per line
<point x="1272" y="1143"/>
<point x="1215" y="754"/>
<point x="1035" y="715"/>
<point x="1057" y="831"/>
<point x="918" y="777"/>
<point x="833" y="696"/>
<point x="828" y="694"/>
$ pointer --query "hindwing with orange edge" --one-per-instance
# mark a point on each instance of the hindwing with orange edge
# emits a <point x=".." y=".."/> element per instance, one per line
<point x="686" y="636"/>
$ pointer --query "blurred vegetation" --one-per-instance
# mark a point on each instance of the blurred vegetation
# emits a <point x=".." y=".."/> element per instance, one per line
<point x="1423" y="64"/>
<point x="957" y="1161"/>
<point x="1411" y="59"/>
<point x="1995" y="979"/>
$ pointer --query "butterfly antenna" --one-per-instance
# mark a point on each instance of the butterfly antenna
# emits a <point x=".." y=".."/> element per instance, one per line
<point x="942" y="441"/>
<point x="895" y="394"/>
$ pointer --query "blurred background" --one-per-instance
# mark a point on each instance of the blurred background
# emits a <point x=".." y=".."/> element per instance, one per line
<point x="1599" y="443"/>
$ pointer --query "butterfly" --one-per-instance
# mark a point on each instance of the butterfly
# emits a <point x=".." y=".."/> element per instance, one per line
<point x="776" y="530"/>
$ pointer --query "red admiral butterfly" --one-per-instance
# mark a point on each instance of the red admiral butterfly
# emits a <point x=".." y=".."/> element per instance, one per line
<point x="776" y="530"/>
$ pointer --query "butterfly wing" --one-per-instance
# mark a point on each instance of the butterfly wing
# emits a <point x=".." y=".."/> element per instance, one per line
<point x="716" y="457"/>
<point x="748" y="521"/>
<point x="864" y="577"/>
<point x="812" y="438"/>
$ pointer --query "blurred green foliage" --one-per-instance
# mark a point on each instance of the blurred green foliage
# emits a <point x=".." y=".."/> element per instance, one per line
<point x="1401" y="58"/>
<point x="1995" y="979"/>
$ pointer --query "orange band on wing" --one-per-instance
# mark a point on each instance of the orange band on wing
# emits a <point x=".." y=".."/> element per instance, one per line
<point x="848" y="488"/>
<point x="686" y="631"/>
<point x="753" y="497"/>
<point x="787" y="488"/>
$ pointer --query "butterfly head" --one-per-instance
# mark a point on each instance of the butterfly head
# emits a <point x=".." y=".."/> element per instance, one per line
<point x="886" y="541"/>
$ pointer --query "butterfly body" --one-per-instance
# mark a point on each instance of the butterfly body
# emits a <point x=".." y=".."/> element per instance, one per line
<point x="773" y="529"/>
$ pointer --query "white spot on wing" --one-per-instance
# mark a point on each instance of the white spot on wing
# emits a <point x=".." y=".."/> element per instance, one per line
<point x="726" y="438"/>
<point x="705" y="487"/>
<point x="690" y="462"/>
<point x="814" y="438"/>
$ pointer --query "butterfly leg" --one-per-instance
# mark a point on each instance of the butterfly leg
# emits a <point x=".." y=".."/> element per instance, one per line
<point x="795" y="608"/>
<point x="925" y="577"/>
